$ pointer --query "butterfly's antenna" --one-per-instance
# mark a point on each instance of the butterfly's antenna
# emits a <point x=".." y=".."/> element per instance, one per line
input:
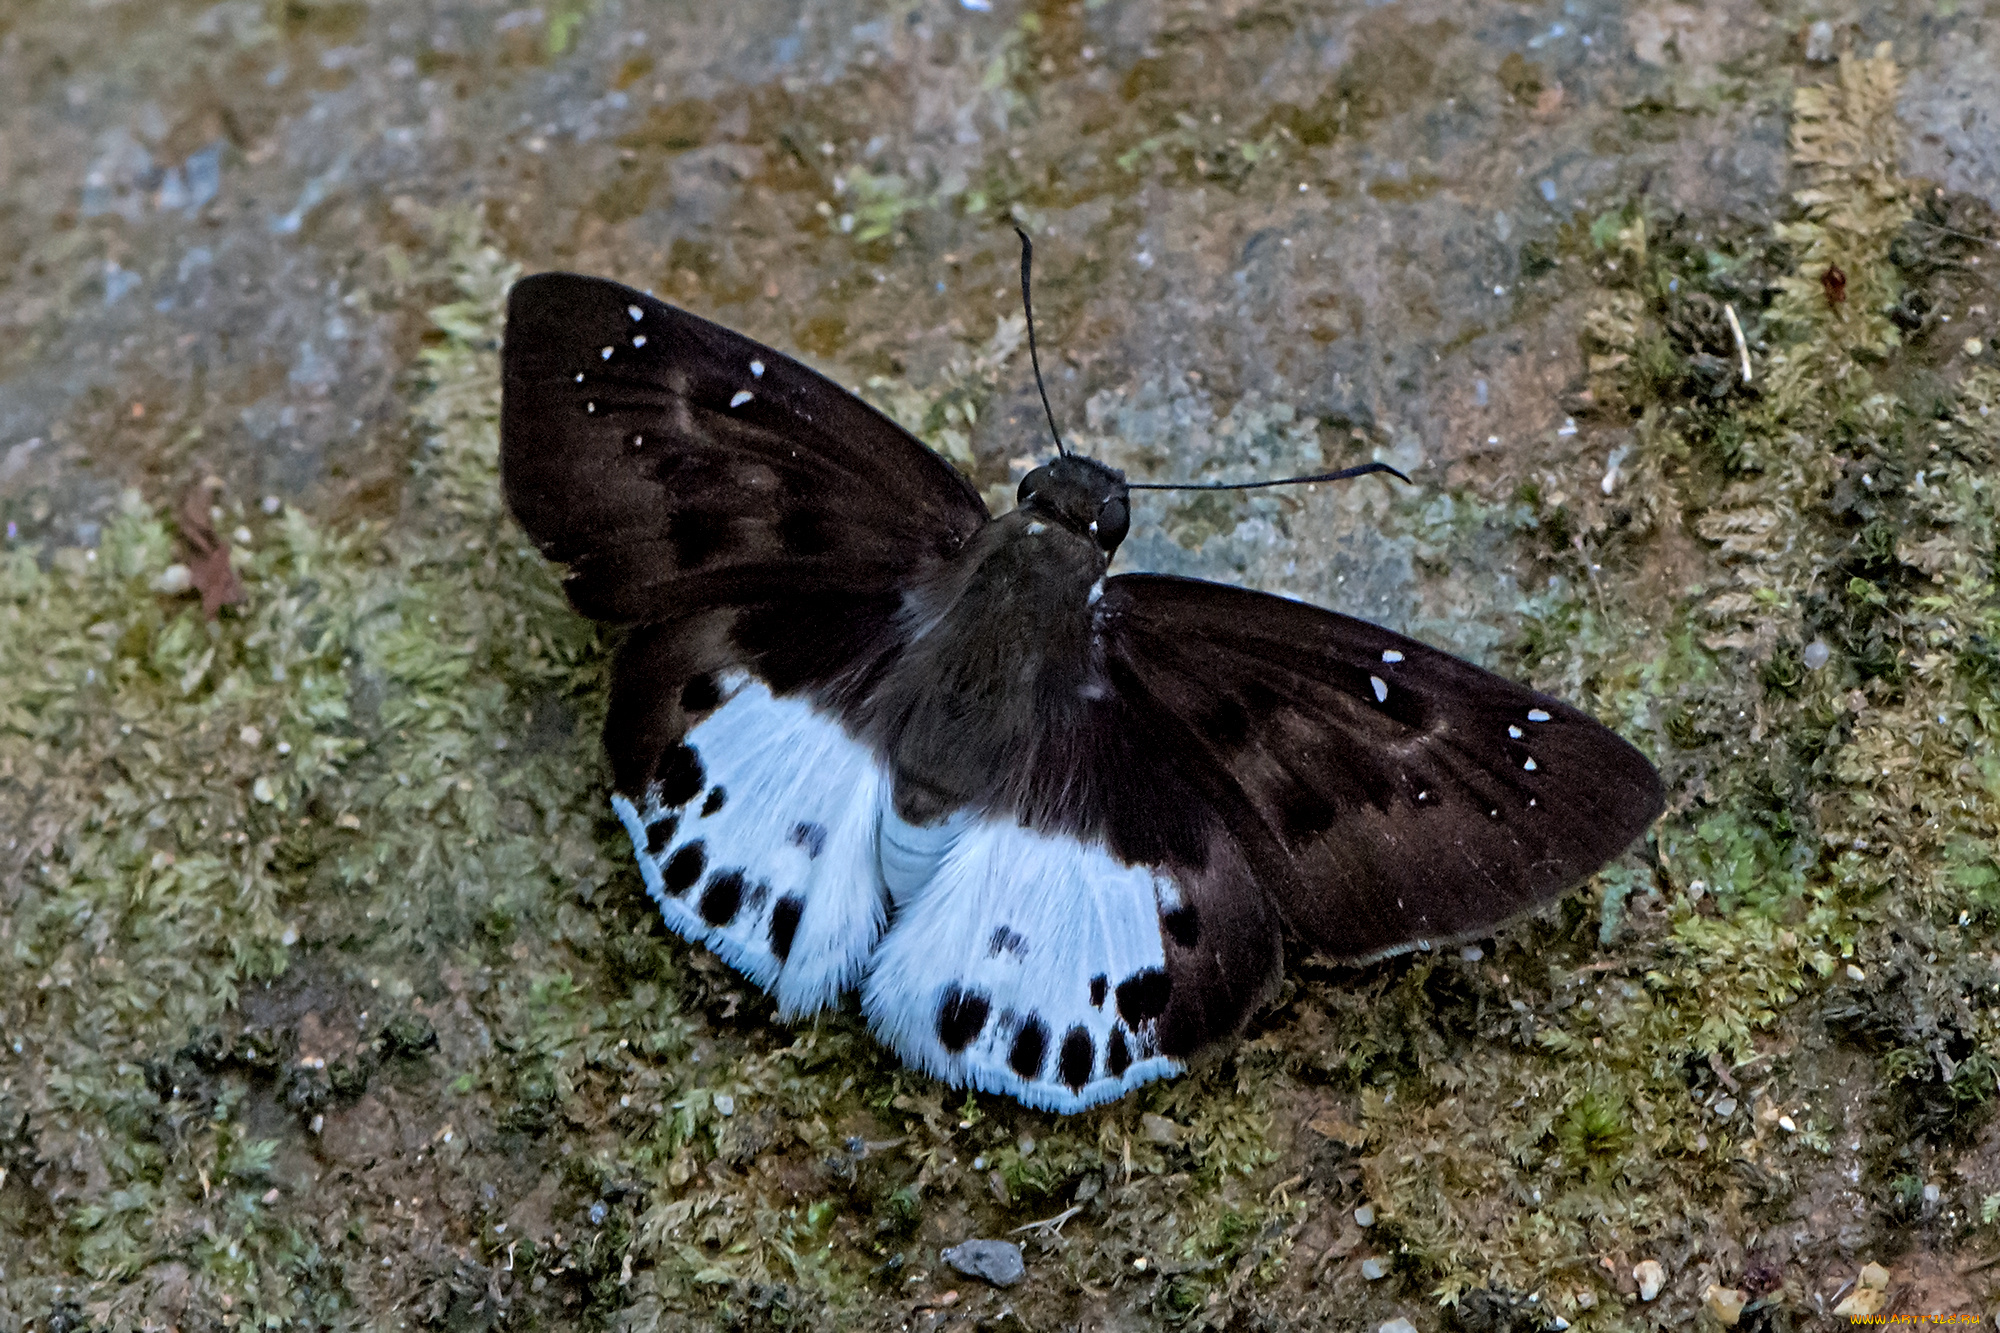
<point x="1034" y="357"/>
<point x="1358" y="470"/>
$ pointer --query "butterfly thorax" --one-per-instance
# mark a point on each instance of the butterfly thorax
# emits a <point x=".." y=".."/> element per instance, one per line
<point x="1006" y="662"/>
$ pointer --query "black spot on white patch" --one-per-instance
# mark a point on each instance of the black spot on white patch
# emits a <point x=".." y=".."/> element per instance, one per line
<point x="1079" y="1053"/>
<point x="723" y="896"/>
<point x="660" y="833"/>
<point x="716" y="796"/>
<point x="679" y="775"/>
<point x="1006" y="940"/>
<point x="1183" y="926"/>
<point x="684" y="869"/>
<point x="1031" y="1043"/>
<point x="785" y="924"/>
<point x="1100" y="986"/>
<point x="1117" y="1057"/>
<point x="810" y="836"/>
<point x="1142" y="996"/>
<point x="961" y="1017"/>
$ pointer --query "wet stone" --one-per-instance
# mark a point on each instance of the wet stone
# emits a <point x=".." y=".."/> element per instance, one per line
<point x="995" y="1261"/>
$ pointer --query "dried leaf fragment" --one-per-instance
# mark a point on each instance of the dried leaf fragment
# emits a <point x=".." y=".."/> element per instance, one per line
<point x="208" y="567"/>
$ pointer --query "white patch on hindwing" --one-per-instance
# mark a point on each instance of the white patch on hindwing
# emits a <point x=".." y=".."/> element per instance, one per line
<point x="1012" y="935"/>
<point x="783" y="821"/>
<point x="1000" y="934"/>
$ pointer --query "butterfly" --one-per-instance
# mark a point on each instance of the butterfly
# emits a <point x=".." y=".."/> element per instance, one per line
<point x="1057" y="826"/>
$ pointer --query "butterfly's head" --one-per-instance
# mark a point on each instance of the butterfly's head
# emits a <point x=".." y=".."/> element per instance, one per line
<point x="1083" y="495"/>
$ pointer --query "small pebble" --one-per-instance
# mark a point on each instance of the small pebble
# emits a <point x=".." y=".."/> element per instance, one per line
<point x="598" y="1212"/>
<point x="1364" y="1216"/>
<point x="995" y="1261"/>
<point x="1870" y="1294"/>
<point x="1725" y="1303"/>
<point x="1650" y="1277"/>
<point x="1396" y="1325"/>
<point x="1816" y="654"/>
<point x="1725" y="1107"/>
<point x="725" y="1104"/>
<point x="1819" y="42"/>
<point x="1374" y="1269"/>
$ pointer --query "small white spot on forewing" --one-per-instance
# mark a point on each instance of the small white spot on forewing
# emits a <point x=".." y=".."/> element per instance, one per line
<point x="579" y="377"/>
<point x="605" y="354"/>
<point x="1530" y="765"/>
<point x="1537" y="715"/>
<point x="639" y="340"/>
<point x="1391" y="655"/>
<point x="1515" y="731"/>
<point x="742" y="396"/>
<point x="1381" y="688"/>
<point x="1036" y="529"/>
<point x="1096" y="591"/>
<point x="757" y="370"/>
<point x="635" y="312"/>
<point x="590" y="407"/>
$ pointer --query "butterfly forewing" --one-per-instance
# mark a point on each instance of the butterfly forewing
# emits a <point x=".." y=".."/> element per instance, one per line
<point x="1388" y="794"/>
<point x="673" y="464"/>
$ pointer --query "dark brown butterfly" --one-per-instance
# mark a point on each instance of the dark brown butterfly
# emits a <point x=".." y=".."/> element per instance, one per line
<point x="1056" y="826"/>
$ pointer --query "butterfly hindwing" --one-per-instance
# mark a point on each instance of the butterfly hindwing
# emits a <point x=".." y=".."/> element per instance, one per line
<point x="1023" y="963"/>
<point x="1386" y="793"/>
<point x="756" y="836"/>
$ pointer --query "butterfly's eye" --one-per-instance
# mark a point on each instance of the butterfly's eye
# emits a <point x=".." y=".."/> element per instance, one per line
<point x="1030" y="484"/>
<point x="1113" y="518"/>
